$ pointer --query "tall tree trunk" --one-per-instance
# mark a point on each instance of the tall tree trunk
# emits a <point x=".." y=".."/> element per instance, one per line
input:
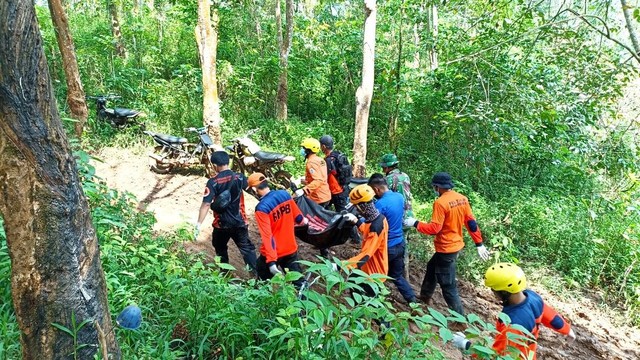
<point x="628" y="17"/>
<point x="75" y="92"/>
<point x="284" y="44"/>
<point x="207" y="38"/>
<point x="55" y="261"/>
<point x="393" y="121"/>
<point x="121" y="51"/>
<point x="365" y="90"/>
<point x="433" y="32"/>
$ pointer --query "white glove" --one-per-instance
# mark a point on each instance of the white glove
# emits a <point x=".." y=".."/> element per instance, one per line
<point x="483" y="253"/>
<point x="273" y="269"/>
<point x="572" y="336"/>
<point x="409" y="222"/>
<point x="196" y="232"/>
<point x="350" y="218"/>
<point x="305" y="221"/>
<point x="299" y="192"/>
<point x="460" y="341"/>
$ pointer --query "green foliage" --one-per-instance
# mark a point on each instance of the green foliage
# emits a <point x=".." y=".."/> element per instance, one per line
<point x="9" y="333"/>
<point x="73" y="332"/>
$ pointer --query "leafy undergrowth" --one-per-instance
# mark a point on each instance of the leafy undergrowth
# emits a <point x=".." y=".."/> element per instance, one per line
<point x="193" y="310"/>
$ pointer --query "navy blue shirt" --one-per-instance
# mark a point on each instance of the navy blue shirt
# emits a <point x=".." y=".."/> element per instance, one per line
<point x="391" y="205"/>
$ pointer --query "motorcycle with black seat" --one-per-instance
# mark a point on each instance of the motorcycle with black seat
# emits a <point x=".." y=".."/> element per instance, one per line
<point x="247" y="157"/>
<point x="119" y="118"/>
<point x="173" y="152"/>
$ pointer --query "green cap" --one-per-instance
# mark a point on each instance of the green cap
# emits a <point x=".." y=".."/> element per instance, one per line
<point x="388" y="160"/>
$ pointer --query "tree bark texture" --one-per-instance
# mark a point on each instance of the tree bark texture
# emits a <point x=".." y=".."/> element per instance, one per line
<point x="121" y="51"/>
<point x="365" y="90"/>
<point x="433" y="35"/>
<point x="55" y="263"/>
<point x="75" y="92"/>
<point x="284" y="44"/>
<point x="628" y="18"/>
<point x="207" y="39"/>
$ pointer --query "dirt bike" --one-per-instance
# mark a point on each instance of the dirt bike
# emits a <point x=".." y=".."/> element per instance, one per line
<point x="119" y="118"/>
<point x="177" y="152"/>
<point x="247" y="157"/>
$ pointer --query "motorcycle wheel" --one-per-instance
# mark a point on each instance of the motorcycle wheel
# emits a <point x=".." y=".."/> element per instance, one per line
<point x="282" y="179"/>
<point x="158" y="167"/>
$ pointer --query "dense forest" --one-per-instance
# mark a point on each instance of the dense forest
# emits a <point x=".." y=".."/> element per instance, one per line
<point x="531" y="105"/>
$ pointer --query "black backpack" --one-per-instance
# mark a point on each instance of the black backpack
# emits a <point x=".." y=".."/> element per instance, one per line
<point x="344" y="171"/>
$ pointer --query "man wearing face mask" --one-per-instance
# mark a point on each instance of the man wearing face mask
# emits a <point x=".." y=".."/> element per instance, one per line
<point x="315" y="182"/>
<point x="373" y="258"/>
<point x="276" y="216"/>
<point x="391" y="205"/>
<point x="451" y="211"/>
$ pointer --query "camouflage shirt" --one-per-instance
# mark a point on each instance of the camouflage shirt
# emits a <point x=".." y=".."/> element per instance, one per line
<point x="400" y="183"/>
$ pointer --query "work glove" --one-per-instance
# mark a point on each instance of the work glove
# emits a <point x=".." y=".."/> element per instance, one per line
<point x="273" y="269"/>
<point x="483" y="253"/>
<point x="349" y="217"/>
<point x="299" y="192"/>
<point x="460" y="341"/>
<point x="305" y="221"/>
<point x="196" y="231"/>
<point x="572" y="336"/>
<point x="410" y="222"/>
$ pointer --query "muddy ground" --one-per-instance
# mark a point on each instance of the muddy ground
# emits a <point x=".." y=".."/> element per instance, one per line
<point x="175" y="200"/>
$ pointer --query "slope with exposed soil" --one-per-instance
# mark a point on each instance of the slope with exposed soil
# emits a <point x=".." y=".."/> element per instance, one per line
<point x="175" y="200"/>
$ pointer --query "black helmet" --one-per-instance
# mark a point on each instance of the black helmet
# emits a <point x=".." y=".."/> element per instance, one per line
<point x="442" y="180"/>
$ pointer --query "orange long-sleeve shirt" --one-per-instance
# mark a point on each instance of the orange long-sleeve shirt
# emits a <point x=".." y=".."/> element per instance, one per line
<point x="451" y="211"/>
<point x="317" y="188"/>
<point x="276" y="215"/>
<point x="373" y="258"/>
<point x="529" y="314"/>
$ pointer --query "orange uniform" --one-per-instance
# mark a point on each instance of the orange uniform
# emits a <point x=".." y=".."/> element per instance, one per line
<point x="529" y="314"/>
<point x="276" y="215"/>
<point x="373" y="258"/>
<point x="450" y="212"/>
<point x="317" y="188"/>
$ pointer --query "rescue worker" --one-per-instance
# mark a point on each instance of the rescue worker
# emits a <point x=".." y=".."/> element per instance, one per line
<point x="339" y="193"/>
<point x="229" y="222"/>
<point x="391" y="205"/>
<point x="373" y="226"/>
<point x="451" y="211"/>
<point x="276" y="216"/>
<point x="523" y="306"/>
<point x="398" y="181"/>
<point x="315" y="182"/>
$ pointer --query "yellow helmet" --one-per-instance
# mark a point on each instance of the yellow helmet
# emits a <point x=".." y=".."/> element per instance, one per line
<point x="361" y="194"/>
<point x="311" y="144"/>
<point x="505" y="277"/>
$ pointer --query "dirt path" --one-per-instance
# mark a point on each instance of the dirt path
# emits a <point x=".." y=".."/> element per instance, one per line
<point x="175" y="200"/>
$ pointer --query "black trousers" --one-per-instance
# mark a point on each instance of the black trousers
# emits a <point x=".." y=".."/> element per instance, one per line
<point x="340" y="201"/>
<point x="240" y="236"/>
<point x="441" y="270"/>
<point x="289" y="262"/>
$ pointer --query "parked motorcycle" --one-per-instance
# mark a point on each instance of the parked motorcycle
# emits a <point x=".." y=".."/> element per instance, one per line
<point x="119" y="118"/>
<point x="247" y="157"/>
<point x="177" y="152"/>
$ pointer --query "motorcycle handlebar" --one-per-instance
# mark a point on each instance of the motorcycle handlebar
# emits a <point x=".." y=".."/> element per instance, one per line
<point x="107" y="97"/>
<point x="196" y="130"/>
<point x="249" y="133"/>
